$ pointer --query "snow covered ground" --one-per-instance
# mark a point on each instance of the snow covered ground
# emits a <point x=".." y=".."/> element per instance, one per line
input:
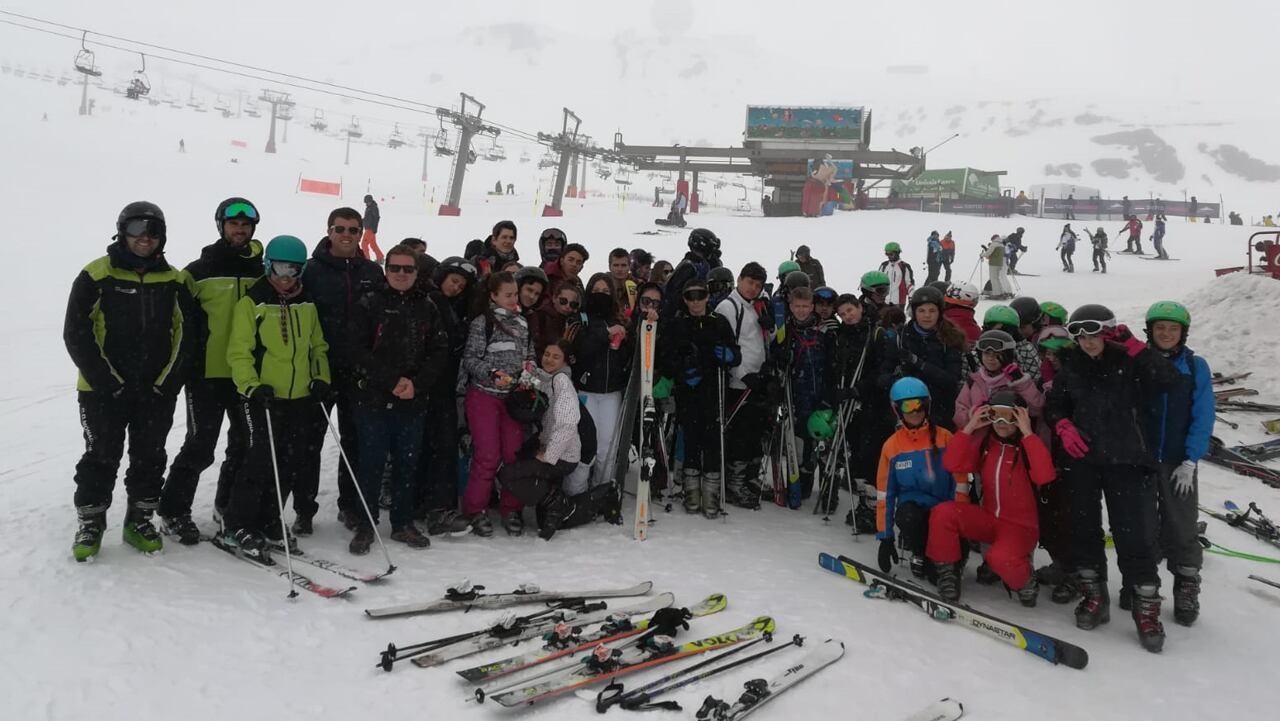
<point x="196" y="633"/>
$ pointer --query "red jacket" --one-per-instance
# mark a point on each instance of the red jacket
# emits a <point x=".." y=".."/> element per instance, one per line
<point x="1008" y="472"/>
<point x="963" y="318"/>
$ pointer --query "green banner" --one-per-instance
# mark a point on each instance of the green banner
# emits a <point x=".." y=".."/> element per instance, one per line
<point x="957" y="182"/>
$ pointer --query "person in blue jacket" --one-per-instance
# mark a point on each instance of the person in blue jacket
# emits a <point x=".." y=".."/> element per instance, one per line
<point x="1180" y="423"/>
<point x="933" y="257"/>
<point x="1157" y="238"/>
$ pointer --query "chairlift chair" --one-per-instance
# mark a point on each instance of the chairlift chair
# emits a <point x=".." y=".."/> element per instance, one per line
<point x="353" y="130"/>
<point x="318" y="122"/>
<point x="495" y="152"/>
<point x="524" y="157"/>
<point x="85" y="61"/>
<point x="396" y="139"/>
<point x="442" y="142"/>
<point x="140" y="85"/>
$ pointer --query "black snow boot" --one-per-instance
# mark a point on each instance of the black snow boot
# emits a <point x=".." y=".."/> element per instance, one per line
<point x="692" y="482"/>
<point x="1094" y="608"/>
<point x="1186" y="596"/>
<point x="1030" y="592"/>
<point x="949" y="581"/>
<point x="1146" y="616"/>
<point x="182" y="528"/>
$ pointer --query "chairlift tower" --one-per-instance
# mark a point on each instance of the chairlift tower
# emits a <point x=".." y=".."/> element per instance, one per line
<point x="278" y="100"/>
<point x="469" y="125"/>
<point x="570" y="145"/>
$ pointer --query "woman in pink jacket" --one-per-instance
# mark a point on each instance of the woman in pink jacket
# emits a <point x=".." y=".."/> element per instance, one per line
<point x="998" y="369"/>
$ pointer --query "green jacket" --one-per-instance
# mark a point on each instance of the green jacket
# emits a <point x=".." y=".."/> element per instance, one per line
<point x="277" y="342"/>
<point x="222" y="276"/>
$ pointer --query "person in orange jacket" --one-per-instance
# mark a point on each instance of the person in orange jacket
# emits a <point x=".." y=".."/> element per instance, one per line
<point x="1010" y="458"/>
<point x="911" y="480"/>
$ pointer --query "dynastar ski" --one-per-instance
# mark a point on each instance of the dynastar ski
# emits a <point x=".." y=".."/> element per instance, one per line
<point x="648" y="428"/>
<point x="567" y="639"/>
<point x="759" y="691"/>
<point x="338" y="569"/>
<point x="604" y="662"/>
<point x="466" y="596"/>
<point x="883" y="586"/>
<point x="298" y="579"/>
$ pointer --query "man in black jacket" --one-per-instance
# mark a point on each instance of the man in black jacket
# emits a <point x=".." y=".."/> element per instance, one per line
<point x="336" y="279"/>
<point x="399" y="347"/>
<point x="369" y="242"/>
<point x="132" y="328"/>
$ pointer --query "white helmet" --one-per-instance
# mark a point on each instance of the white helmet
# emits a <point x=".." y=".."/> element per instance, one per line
<point x="965" y="294"/>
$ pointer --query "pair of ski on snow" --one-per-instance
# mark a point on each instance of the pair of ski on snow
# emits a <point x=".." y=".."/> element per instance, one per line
<point x="301" y="580"/>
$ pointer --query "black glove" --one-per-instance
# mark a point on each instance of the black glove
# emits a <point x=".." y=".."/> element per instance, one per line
<point x="666" y="621"/>
<point x="888" y="555"/>
<point x="320" y="391"/>
<point x="113" y="388"/>
<point x="262" y="395"/>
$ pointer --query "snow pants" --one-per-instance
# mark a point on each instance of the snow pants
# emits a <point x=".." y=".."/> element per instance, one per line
<point x="1130" y="493"/>
<point x="437" y="476"/>
<point x="1099" y="259"/>
<point x="912" y="521"/>
<point x="1054" y="508"/>
<point x="699" y="419"/>
<point x="1067" y="263"/>
<point x="299" y="435"/>
<point x="208" y="400"/>
<point x="146" y="418"/>
<point x="369" y="242"/>
<point x="1179" y="537"/>
<point x="1011" y="544"/>
<point x="606" y="411"/>
<point x="1158" y="242"/>
<point x="344" y="387"/>
<point x="530" y="479"/>
<point x="744" y="439"/>
<point x="394" y="433"/>
<point x="496" y="438"/>
<point x="946" y="266"/>
<point x="1000" y="286"/>
<point x="934" y="266"/>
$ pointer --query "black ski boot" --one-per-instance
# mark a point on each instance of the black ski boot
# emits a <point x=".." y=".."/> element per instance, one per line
<point x="1052" y="575"/>
<point x="986" y="576"/>
<point x="1186" y="596"/>
<point x="1066" y="591"/>
<point x="93" y="523"/>
<point x="138" y="530"/>
<point x="303" y="526"/>
<point x="513" y="523"/>
<point x="1146" y="615"/>
<point x="692" y="481"/>
<point x="481" y="525"/>
<point x="864" y="516"/>
<point x="248" y="543"/>
<point x="361" y="542"/>
<point x="1126" y="598"/>
<point x="1094" y="608"/>
<point x="949" y="581"/>
<point x="555" y="509"/>
<point x="711" y="494"/>
<point x="182" y="528"/>
<point x="1030" y="592"/>
<point x="921" y="568"/>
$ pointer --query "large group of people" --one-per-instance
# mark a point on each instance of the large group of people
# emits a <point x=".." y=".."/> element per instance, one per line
<point x="957" y="435"/>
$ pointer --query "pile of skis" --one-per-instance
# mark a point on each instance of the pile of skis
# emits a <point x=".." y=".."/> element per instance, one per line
<point x="1251" y="520"/>
<point x="270" y="563"/>
<point x="1247" y="460"/>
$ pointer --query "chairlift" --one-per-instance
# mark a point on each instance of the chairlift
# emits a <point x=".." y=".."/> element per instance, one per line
<point x="222" y="106"/>
<point x="442" y="141"/>
<point x="251" y="109"/>
<point x="318" y="122"/>
<point x="396" y="139"/>
<point x="353" y="130"/>
<point x="496" y="151"/>
<point x="603" y="173"/>
<point x="139" y="86"/>
<point x="524" y="157"/>
<point x="550" y="160"/>
<point x="85" y="61"/>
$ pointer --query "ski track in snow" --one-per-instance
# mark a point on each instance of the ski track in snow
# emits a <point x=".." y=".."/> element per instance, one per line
<point x="195" y="631"/>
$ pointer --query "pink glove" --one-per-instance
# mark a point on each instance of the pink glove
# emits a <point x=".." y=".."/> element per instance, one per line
<point x="1121" y="336"/>
<point x="1012" y="372"/>
<point x="1072" y="442"/>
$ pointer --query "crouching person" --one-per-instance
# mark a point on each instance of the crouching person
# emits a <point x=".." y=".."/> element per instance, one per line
<point x="999" y="444"/>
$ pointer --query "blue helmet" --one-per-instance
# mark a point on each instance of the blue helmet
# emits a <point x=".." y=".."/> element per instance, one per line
<point x="908" y="387"/>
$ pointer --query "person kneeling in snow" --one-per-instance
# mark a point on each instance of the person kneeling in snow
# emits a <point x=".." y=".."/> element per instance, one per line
<point x="1010" y="459"/>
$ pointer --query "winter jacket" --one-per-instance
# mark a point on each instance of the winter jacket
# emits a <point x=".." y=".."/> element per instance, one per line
<point x="948" y="249"/>
<point x="547" y="325"/>
<point x="689" y="342"/>
<point x="1099" y="239"/>
<point x="452" y="315"/>
<point x="805" y="355"/>
<point x="1180" y="418"/>
<point x="1008" y="472"/>
<point x="489" y="260"/>
<point x="335" y="285"/>
<point x="500" y="344"/>
<point x="559" y="437"/>
<point x="994" y="254"/>
<point x="372" y="216"/>
<point x="277" y="341"/>
<point x="692" y="266"/>
<point x="901" y="281"/>
<point x="133" y="322"/>
<point x="1159" y="231"/>
<point x="597" y="367"/>
<point x="981" y="385"/>
<point x="1067" y="242"/>
<point x="813" y="268"/>
<point x="1103" y="398"/>
<point x="853" y="346"/>
<point x="911" y="470"/>
<point x="222" y="276"/>
<point x="396" y="335"/>
<point x="556" y="279"/>
<point x="938" y="365"/>
<point x="963" y="318"/>
<point x="1028" y="358"/>
<point x="933" y="249"/>
<point x="744" y="320"/>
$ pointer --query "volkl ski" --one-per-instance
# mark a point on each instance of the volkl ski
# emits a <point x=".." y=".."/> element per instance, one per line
<point x="760" y="692"/>
<point x="465" y="596"/>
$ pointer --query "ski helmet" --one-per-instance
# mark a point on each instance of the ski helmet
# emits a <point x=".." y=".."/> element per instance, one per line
<point x="235" y="208"/>
<point x="926" y="295"/>
<point x="825" y="294"/>
<point x="532" y="274"/>
<point x="456" y="264"/>
<point x="907" y="388"/>
<point x="892" y="247"/>
<point x="873" y="279"/>
<point x="1055" y="338"/>
<point x="941" y="285"/>
<point x="1027" y="308"/>
<point x="1002" y="314"/>
<point x="1006" y="398"/>
<point x="284" y="249"/>
<point x="962" y="294"/>
<point x="786" y="267"/>
<point x="796" y="279"/>
<point x="1169" y="310"/>
<point x="720" y="274"/>
<point x="1090" y="319"/>
<point x="704" y="243"/>
<point x="821" y="425"/>
<point x="1054" y="312"/>
<point x="996" y="341"/>
<point x="141" y="210"/>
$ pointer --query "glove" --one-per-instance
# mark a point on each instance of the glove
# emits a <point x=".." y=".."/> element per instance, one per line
<point x="262" y="395"/>
<point x="1012" y="372"/>
<point x="320" y="391"/>
<point x="725" y="354"/>
<point x="1072" y="442"/>
<point x="692" y="377"/>
<point x="888" y="554"/>
<point x="1121" y="336"/>
<point x="662" y="389"/>
<point x="1184" y="478"/>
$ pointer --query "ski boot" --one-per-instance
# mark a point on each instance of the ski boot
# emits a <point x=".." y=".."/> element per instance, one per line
<point x="1052" y="575"/>
<point x="481" y="525"/>
<point x="302" y="526"/>
<point x="93" y="523"/>
<point x="864" y="517"/>
<point x="921" y="568"/>
<point x="271" y="533"/>
<point x="410" y="536"/>
<point x="948" y="581"/>
<point x="1094" y="608"/>
<point x="1029" y="593"/>
<point x="1066" y="591"/>
<point x="1186" y="595"/>
<point x="986" y="576"/>
<point x="1126" y="598"/>
<point x="711" y="494"/>
<point x="138" y="529"/>
<point x="513" y="523"/>
<point x="247" y="543"/>
<point x="361" y="542"/>
<point x="447" y="522"/>
<point x="555" y="509"/>
<point x="182" y="528"/>
<point x="692" y="481"/>
<point x="1146" y="615"/>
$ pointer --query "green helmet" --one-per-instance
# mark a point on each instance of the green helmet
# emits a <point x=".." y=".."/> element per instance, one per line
<point x="1169" y="310"/>
<point x="787" y="266"/>
<point x="285" y="248"/>
<point x="873" y="278"/>
<point x="1054" y="311"/>
<point x="821" y="424"/>
<point x="892" y="248"/>
<point x="1002" y="314"/>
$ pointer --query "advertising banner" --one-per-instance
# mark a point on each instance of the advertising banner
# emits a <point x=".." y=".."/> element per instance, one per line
<point x="782" y="122"/>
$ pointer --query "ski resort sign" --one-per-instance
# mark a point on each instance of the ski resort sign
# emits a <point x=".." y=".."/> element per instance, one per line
<point x="787" y="122"/>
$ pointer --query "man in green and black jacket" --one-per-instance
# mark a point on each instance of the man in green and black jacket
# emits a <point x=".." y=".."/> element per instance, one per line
<point x="222" y="276"/>
<point x="133" y="330"/>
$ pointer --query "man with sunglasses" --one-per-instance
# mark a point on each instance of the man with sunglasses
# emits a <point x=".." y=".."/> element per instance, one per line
<point x="225" y="271"/>
<point x="133" y="329"/>
<point x="1094" y="406"/>
<point x="337" y="277"/>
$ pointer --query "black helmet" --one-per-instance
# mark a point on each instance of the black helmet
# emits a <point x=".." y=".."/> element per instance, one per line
<point x="925" y="295"/>
<point x="532" y="274"/>
<point x="455" y="264"/>
<point x="941" y="285"/>
<point x="141" y="210"/>
<point x="1006" y="398"/>
<point x="641" y="257"/>
<point x="1027" y="308"/>
<point x="704" y="243"/>
<point x="1092" y="311"/>
<point x="235" y="208"/>
<point x="720" y="275"/>
<point x="796" y="279"/>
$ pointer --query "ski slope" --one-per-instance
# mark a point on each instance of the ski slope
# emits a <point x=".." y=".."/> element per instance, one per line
<point x="197" y="633"/>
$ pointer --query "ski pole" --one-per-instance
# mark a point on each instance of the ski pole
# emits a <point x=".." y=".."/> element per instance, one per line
<point x="333" y="432"/>
<point x="720" y="405"/>
<point x="1252" y="577"/>
<point x="284" y="529"/>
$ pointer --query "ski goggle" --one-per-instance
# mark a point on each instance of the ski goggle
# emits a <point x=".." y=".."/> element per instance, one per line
<point x="696" y="294"/>
<point x="240" y="210"/>
<point x="826" y="295"/>
<point x="1089" y="327"/>
<point x="879" y="289"/>
<point x="994" y="345"/>
<point x="910" y="405"/>
<point x="1002" y="416"/>
<point x="464" y="267"/>
<point x="285" y="269"/>
<point x="553" y="234"/>
<point x="149" y="227"/>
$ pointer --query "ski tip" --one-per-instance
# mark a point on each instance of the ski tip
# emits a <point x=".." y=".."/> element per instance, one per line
<point x="1072" y="656"/>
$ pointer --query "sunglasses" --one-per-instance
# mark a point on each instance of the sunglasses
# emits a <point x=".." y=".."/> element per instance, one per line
<point x="570" y="304"/>
<point x="340" y="229"/>
<point x="995" y="346"/>
<point x="1088" y="327"/>
<point x="650" y="302"/>
<point x="406" y="269"/>
<point x="911" y="405"/>
<point x="285" y="269"/>
<point x="696" y="294"/>
<point x="240" y="210"/>
<point x="149" y="227"/>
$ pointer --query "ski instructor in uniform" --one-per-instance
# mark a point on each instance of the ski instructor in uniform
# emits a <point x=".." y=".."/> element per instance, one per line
<point x="133" y="329"/>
